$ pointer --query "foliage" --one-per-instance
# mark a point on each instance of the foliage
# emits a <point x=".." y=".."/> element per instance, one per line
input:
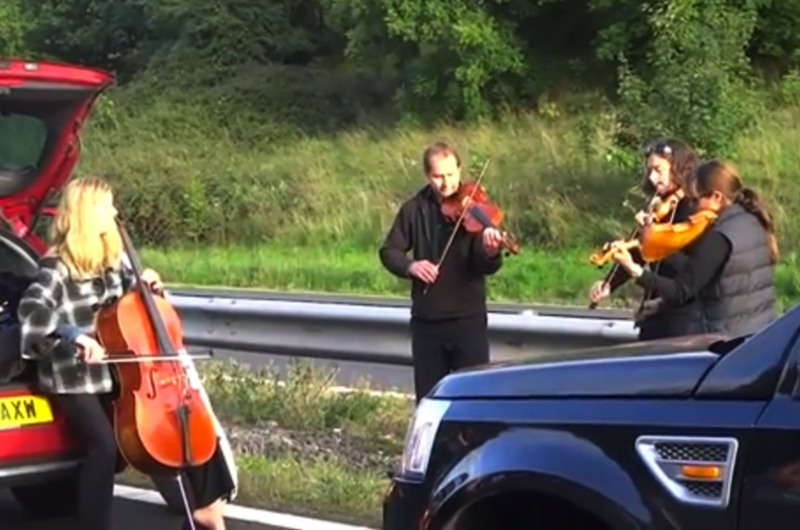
<point x="259" y="121"/>
<point x="311" y="215"/>
<point x="442" y="59"/>
<point x="695" y="83"/>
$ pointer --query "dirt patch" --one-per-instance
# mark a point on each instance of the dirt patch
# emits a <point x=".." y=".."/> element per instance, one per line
<point x="270" y="440"/>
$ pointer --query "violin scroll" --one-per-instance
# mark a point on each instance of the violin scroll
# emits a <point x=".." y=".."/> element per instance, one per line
<point x="606" y="252"/>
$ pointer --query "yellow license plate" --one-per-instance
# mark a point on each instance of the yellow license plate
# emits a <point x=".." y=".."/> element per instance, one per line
<point x="24" y="410"/>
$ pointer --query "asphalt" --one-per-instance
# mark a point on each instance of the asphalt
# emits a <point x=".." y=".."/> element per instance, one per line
<point x="128" y="515"/>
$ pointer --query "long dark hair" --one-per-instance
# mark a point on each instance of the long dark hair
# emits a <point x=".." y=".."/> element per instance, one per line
<point x="723" y="177"/>
<point x="683" y="162"/>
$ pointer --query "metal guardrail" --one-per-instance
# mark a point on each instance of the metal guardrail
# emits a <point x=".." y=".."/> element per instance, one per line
<point x="374" y="330"/>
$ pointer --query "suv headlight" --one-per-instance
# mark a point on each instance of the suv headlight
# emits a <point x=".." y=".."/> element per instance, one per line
<point x="420" y="436"/>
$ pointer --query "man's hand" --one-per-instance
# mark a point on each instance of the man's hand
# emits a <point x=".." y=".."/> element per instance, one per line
<point x="424" y="270"/>
<point x="91" y="350"/>
<point x="492" y="240"/>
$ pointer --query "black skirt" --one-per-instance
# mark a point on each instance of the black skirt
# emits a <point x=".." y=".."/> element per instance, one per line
<point x="208" y="482"/>
<point x="203" y="484"/>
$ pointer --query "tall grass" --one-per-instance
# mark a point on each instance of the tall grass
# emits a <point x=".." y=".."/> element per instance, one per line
<point x="310" y="202"/>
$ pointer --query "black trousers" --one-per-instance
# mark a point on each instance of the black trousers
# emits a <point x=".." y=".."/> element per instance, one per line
<point x="439" y="347"/>
<point x="85" y="414"/>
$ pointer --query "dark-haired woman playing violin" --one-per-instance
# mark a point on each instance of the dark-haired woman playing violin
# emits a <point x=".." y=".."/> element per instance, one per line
<point x="670" y="166"/>
<point x="730" y="269"/>
<point x="448" y="298"/>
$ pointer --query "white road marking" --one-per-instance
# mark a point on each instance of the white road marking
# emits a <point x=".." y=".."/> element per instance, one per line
<point x="377" y="393"/>
<point x="243" y="513"/>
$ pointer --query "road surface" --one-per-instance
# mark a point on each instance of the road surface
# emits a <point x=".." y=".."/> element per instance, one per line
<point x="131" y="514"/>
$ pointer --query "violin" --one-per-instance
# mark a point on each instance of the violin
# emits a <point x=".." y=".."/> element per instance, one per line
<point x="471" y="204"/>
<point x="658" y="209"/>
<point x="162" y="423"/>
<point x="659" y="240"/>
<point x="471" y="208"/>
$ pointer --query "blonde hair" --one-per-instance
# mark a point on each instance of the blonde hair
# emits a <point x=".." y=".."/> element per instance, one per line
<point x="74" y="233"/>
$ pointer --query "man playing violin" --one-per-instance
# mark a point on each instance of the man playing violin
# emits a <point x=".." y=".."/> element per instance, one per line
<point x="448" y="299"/>
<point x="670" y="166"/>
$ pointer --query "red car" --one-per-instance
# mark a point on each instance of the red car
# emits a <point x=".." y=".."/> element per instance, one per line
<point x="43" y="106"/>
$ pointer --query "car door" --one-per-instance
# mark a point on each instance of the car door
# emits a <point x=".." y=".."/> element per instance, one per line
<point x="770" y="471"/>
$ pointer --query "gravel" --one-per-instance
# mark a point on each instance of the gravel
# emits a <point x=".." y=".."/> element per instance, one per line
<point x="271" y="440"/>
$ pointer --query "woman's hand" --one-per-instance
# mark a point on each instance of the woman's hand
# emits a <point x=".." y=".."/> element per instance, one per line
<point x="642" y="218"/>
<point x="151" y="278"/>
<point x="624" y="258"/>
<point x="599" y="290"/>
<point x="91" y="350"/>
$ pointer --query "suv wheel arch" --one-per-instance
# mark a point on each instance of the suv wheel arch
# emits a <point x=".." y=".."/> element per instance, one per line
<point x="532" y="508"/>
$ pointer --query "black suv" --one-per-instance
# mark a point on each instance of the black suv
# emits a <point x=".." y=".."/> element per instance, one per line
<point x="694" y="433"/>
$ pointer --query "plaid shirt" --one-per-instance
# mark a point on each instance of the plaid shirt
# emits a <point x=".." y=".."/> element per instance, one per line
<point x="55" y="307"/>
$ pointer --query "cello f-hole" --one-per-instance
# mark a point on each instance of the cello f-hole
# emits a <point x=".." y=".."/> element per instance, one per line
<point x="150" y="376"/>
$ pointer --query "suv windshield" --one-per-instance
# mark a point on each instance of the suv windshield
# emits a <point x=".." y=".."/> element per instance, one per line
<point x="22" y="141"/>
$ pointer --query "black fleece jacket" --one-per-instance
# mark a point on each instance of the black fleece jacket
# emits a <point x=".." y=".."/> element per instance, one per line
<point x="460" y="288"/>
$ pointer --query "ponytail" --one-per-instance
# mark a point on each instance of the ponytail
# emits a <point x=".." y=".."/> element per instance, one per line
<point x="751" y="202"/>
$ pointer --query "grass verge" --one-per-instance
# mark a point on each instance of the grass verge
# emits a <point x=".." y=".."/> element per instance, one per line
<point x="302" y="448"/>
<point x="324" y="489"/>
<point x="559" y="177"/>
<point x="309" y="213"/>
<point x="533" y="276"/>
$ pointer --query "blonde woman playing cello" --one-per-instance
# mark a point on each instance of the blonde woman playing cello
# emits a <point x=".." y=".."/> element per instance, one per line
<point x="84" y="269"/>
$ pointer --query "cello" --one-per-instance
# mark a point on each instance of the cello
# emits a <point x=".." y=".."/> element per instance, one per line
<point x="160" y="418"/>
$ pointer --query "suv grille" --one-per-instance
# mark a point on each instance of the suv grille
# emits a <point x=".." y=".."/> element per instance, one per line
<point x="692" y="452"/>
<point x="694" y="470"/>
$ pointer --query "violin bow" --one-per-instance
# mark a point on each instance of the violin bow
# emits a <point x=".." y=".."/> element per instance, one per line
<point x="460" y="219"/>
<point x="615" y="266"/>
